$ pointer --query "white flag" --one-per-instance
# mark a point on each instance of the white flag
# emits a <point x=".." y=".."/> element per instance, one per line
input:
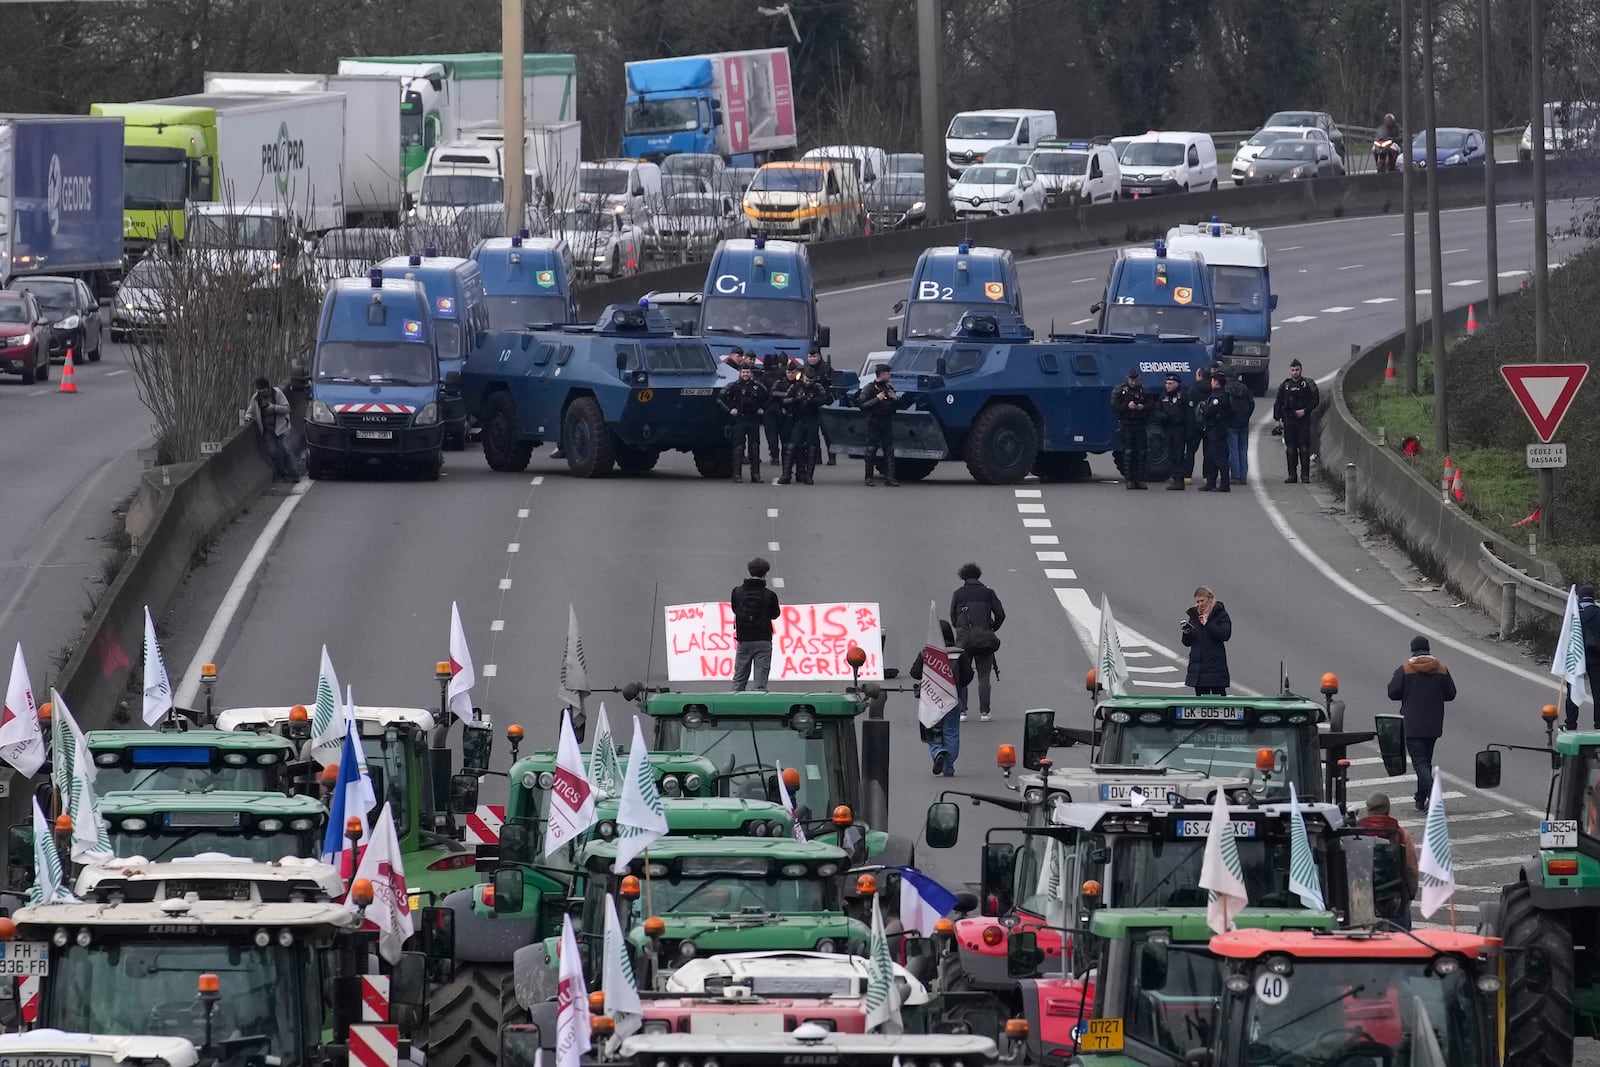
<point x="21" y="736"/>
<point x="1436" y="869"/>
<point x="327" y="719"/>
<point x="572" y="1002"/>
<point x="49" y="881"/>
<point x="622" y="990"/>
<point x="574" y="668"/>
<point x="390" y="910"/>
<point x="1112" y="664"/>
<point x="936" y="694"/>
<point x="789" y="805"/>
<point x="1221" y="873"/>
<point x="74" y="778"/>
<point x="605" y="767"/>
<point x="882" y="998"/>
<point x="571" y="794"/>
<point x="1303" y="881"/>
<point x="157" y="688"/>
<point x="1570" y="662"/>
<point x="462" y="676"/>
<point x="640" y="817"/>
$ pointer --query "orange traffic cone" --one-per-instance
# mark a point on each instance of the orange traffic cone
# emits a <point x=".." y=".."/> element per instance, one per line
<point x="1389" y="376"/>
<point x="1449" y="470"/>
<point x="1457" y="490"/>
<point x="1472" y="320"/>
<point x="68" y="384"/>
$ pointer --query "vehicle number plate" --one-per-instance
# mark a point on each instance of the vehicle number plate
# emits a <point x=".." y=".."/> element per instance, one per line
<point x="1099" y="1035"/>
<point x="697" y="392"/>
<point x="1123" y="791"/>
<point x="1211" y="714"/>
<point x="1202" y="828"/>
<point x="374" y="435"/>
<point x="44" y="1061"/>
<point x="29" y="958"/>
<point x="1559" y="833"/>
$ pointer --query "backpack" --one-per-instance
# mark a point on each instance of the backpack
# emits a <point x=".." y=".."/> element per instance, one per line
<point x="1243" y="403"/>
<point x="751" y="610"/>
<point x="973" y="636"/>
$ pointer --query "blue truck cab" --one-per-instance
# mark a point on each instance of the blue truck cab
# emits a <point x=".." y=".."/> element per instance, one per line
<point x="375" y="381"/>
<point x="1158" y="291"/>
<point x="1241" y="286"/>
<point x="526" y="280"/>
<point x="614" y="393"/>
<point x="459" y="308"/>
<point x="949" y="281"/>
<point x="759" y="295"/>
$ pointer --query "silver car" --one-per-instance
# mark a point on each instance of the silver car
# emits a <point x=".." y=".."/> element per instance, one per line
<point x="689" y="225"/>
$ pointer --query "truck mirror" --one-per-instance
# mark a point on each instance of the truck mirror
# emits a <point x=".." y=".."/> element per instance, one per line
<point x="510" y="890"/>
<point x="1391" y="731"/>
<point x="453" y="379"/>
<point x="1225" y="344"/>
<point x="1097" y="307"/>
<point x="1023" y="954"/>
<point x="892" y="336"/>
<point x="943" y="824"/>
<point x="477" y="743"/>
<point x="825" y="336"/>
<point x="1272" y="302"/>
<point x="408" y="984"/>
<point x="463" y="794"/>
<point x="1153" y="965"/>
<point x="519" y="1045"/>
<point x="622" y="361"/>
<point x="999" y="875"/>
<point x="1038" y="729"/>
<point x="1486" y="769"/>
<point x="940" y="367"/>
<point x="438" y="933"/>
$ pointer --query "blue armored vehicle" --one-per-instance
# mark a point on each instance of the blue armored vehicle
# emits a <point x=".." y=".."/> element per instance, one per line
<point x="614" y="393"/>
<point x="457" y="306"/>
<point x="759" y="295"/>
<point x="1164" y="292"/>
<point x="526" y="280"/>
<point x="1008" y="405"/>
<point x="950" y="281"/>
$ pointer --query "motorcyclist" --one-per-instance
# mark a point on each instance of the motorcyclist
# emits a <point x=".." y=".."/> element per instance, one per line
<point x="1386" y="143"/>
<point x="1388" y="129"/>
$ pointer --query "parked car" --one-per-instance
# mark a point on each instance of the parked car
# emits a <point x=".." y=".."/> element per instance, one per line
<point x="1454" y="146"/>
<point x="1320" y="119"/>
<point x="73" y="312"/>
<point x="990" y="190"/>
<point x="898" y="202"/>
<point x="1246" y="153"/>
<point x="350" y="253"/>
<point x="24" y="337"/>
<point x="140" y="306"/>
<point x="689" y="225"/>
<point x="1287" y="161"/>
<point x="903" y="163"/>
<point x="1077" y="172"/>
<point x="1008" y="153"/>
<point x="603" y="243"/>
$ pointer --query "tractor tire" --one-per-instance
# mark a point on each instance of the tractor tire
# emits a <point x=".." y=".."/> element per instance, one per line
<point x="1002" y="445"/>
<point x="501" y="448"/>
<point x="1539" y="1025"/>
<point x="914" y="470"/>
<point x="1062" y="467"/>
<point x="465" y="1015"/>
<point x="591" y="447"/>
<point x="715" y="463"/>
<point x="637" y="460"/>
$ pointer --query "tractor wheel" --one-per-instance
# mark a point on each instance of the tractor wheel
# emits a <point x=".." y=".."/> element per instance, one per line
<point x="716" y="463"/>
<point x="914" y="470"/>
<point x="1002" y="445"/>
<point x="637" y="460"/>
<point x="464" y="1016"/>
<point x="591" y="447"/>
<point x="1539" y="1025"/>
<point x="501" y="448"/>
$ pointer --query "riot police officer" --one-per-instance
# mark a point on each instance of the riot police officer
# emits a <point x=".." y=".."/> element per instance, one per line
<point x="1297" y="402"/>
<point x="774" y="375"/>
<point x="1174" y="416"/>
<point x="804" y="400"/>
<point x="1131" y="402"/>
<point x="820" y="370"/>
<point x="877" y="399"/>
<point x="746" y="400"/>
<point x="1215" y="414"/>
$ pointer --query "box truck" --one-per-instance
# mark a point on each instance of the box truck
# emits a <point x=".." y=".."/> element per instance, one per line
<point x="61" y="197"/>
<point x="442" y="94"/>
<point x="470" y="172"/>
<point x="374" y="194"/>
<point x="738" y="105"/>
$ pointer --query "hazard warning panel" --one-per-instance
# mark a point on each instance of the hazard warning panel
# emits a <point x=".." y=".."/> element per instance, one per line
<point x="1545" y="391"/>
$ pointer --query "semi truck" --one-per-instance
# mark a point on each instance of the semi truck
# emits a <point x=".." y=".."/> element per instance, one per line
<point x="738" y="105"/>
<point x="283" y="151"/>
<point x="374" y="192"/>
<point x="440" y="95"/>
<point x="61" y="197"/>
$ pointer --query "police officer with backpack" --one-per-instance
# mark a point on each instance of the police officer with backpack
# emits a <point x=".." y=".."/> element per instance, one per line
<point x="1241" y="405"/>
<point x="1214" y="415"/>
<point x="1131" y="402"/>
<point x="977" y="615"/>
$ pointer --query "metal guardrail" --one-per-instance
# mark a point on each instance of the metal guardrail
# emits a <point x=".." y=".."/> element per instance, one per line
<point x="1528" y="590"/>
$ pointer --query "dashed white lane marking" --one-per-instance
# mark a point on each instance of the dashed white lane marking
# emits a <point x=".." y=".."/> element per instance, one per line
<point x="1051" y="557"/>
<point x="514" y="546"/>
<point x="1470" y="816"/>
<point x="1452" y="251"/>
<point x="497" y="625"/>
<point x="1080" y="281"/>
<point x="1512" y="273"/>
<point x="1353" y="266"/>
<point x="1043" y="539"/>
<point x="522" y="513"/>
<point x="1338" y="310"/>
<point x="38" y="392"/>
<point x="505" y="583"/>
<point x="114" y="373"/>
<point x="1081" y="322"/>
<point x="1291" y="248"/>
<point x="537" y="480"/>
<point x="1165" y="668"/>
<point x="1402" y="233"/>
<point x="1060" y="574"/>
<point x="1464" y="282"/>
<point x="1031" y="509"/>
<point x="772" y="513"/>
<point x="1380" y="300"/>
<point x="1299" y="318"/>
<point x="772" y="546"/>
<point x="1036" y="524"/>
<point x="777" y="583"/>
<point x="1029" y="494"/>
<point x="490" y="670"/>
<point x="1424" y="292"/>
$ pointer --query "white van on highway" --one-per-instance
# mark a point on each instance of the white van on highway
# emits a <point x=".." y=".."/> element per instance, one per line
<point x="972" y="133"/>
<point x="1169" y="162"/>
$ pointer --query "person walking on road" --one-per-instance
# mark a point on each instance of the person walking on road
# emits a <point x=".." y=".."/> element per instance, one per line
<point x="269" y="410"/>
<point x="1423" y="686"/>
<point x="1589" y="622"/>
<point x="1173" y="415"/>
<point x="1131" y="403"/>
<point x="745" y="400"/>
<point x="878" y="400"/>
<point x="1215" y="413"/>
<point x="1297" y="401"/>
<point x="944" y="737"/>
<point x="976" y="616"/>
<point x="754" y="606"/>
<point x="1241" y="406"/>
<point x="1206" y="631"/>
<point x="1394" y="869"/>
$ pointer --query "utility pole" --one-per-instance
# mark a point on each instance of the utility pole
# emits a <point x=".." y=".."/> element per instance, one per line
<point x="1441" y="431"/>
<point x="1541" y="243"/>
<point x="930" y="50"/>
<point x="513" y="151"/>
<point x="1491" y="242"/>
<point x="1408" y="195"/>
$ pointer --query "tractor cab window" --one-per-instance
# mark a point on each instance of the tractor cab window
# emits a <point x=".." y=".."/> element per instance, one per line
<point x="747" y="753"/>
<point x="1590" y="822"/>
<point x="1182" y="1013"/>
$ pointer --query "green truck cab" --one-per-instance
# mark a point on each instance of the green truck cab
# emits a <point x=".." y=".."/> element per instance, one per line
<point x="169" y="825"/>
<point x="190" y="760"/>
<point x="169" y="155"/>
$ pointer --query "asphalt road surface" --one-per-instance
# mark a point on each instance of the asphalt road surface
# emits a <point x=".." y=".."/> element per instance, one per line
<point x="371" y="567"/>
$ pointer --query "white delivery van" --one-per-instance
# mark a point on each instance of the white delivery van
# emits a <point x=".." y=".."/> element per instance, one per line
<point x="871" y="162"/>
<point x="972" y="133"/>
<point x="1169" y="162"/>
<point x="629" y="187"/>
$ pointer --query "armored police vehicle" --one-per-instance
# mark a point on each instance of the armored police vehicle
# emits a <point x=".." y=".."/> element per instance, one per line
<point x="1162" y="292"/>
<point x="460" y="313"/>
<point x="375" y="381"/>
<point x="949" y="281"/>
<point x="759" y="296"/>
<point x="526" y="280"/>
<point x="615" y="394"/>
<point x="1241" y="286"/>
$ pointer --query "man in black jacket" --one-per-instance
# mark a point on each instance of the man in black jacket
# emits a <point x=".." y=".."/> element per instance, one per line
<point x="804" y="401"/>
<point x="1423" y="686"/>
<point x="1215" y="413"/>
<point x="754" y="606"/>
<point x="1173" y="415"/>
<point x="820" y="371"/>
<point x="1296" y="403"/>
<point x="1130" y="402"/>
<point x="1589" y="622"/>
<point x="1196" y="394"/>
<point x="745" y="400"/>
<point x="774" y="375"/>
<point x="878" y="400"/>
<point x="977" y="615"/>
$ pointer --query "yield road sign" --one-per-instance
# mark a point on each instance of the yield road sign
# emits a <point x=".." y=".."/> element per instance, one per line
<point x="1545" y="392"/>
<point x="1543" y="457"/>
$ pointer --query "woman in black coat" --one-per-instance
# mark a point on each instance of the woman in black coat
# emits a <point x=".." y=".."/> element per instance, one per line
<point x="1206" y="632"/>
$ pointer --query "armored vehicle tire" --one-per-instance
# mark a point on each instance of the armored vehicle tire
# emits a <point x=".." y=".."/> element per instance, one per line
<point x="502" y="451"/>
<point x="714" y="462"/>
<point x="465" y="1016"/>
<point x="1539" y="1025"/>
<point x="636" y="460"/>
<point x="913" y="470"/>
<point x="1002" y="445"/>
<point x="591" y="448"/>
<point x="1062" y="467"/>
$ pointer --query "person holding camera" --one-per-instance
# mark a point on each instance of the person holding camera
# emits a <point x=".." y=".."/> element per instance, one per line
<point x="269" y="410"/>
<point x="746" y="400"/>
<point x="877" y="399"/>
<point x="1206" y="630"/>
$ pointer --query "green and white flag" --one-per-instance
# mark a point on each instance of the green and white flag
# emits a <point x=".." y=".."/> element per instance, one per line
<point x="1051" y="884"/>
<point x="1112" y="664"/>
<point x="1303" y="881"/>
<point x="327" y="719"/>
<point x="882" y="999"/>
<point x="48" y="880"/>
<point x="1221" y="873"/>
<point x="640" y="817"/>
<point x="605" y="767"/>
<point x="621" y="988"/>
<point x="574" y="684"/>
<point x="1436" y="869"/>
<point x="74" y="779"/>
<point x="1570" y="662"/>
<point x="157" y="686"/>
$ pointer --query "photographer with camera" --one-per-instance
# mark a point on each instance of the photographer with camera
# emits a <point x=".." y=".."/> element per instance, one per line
<point x="877" y="399"/>
<point x="1206" y="630"/>
<point x="269" y="410"/>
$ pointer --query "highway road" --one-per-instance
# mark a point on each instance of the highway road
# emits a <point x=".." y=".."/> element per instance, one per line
<point x="370" y="567"/>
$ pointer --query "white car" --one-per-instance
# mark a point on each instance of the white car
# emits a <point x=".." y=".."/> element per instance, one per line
<point x="991" y="190"/>
<point x="1077" y="172"/>
<point x="1246" y="153"/>
<point x="603" y="243"/>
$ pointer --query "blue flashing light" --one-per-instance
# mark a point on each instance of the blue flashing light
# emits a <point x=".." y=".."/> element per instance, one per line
<point x="160" y="755"/>
<point x="1161" y="249"/>
<point x="1077" y="144"/>
<point x="1216" y="231"/>
<point x="375" y="276"/>
<point x="524" y="233"/>
<point x="430" y="252"/>
<point x="761" y="238"/>
<point x="1215" y="218"/>
<point x="964" y="247"/>
<point x="516" y="242"/>
<point x="414" y="261"/>
<point x="644" y="301"/>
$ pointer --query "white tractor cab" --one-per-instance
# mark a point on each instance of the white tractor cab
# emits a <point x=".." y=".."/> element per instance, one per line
<point x="1077" y="172"/>
<point x="1159" y="163"/>
<point x="212" y="877"/>
<point x="1241" y="292"/>
<point x="628" y="187"/>
<point x="972" y="133"/>
<point x="49" y="1048"/>
<point x="871" y="163"/>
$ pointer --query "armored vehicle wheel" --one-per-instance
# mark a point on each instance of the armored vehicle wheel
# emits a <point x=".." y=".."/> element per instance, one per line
<point x="1062" y="467"/>
<point x="637" y="460"/>
<point x="1002" y="445"/>
<point x="591" y="449"/>
<point x="465" y="1015"/>
<point x="914" y="470"/>
<point x="501" y="449"/>
<point x="714" y="462"/>
<point x="1539" y="1025"/>
<point x="316" y="470"/>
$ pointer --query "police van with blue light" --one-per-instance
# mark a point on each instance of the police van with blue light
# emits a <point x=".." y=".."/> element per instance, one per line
<point x="1156" y="292"/>
<point x="526" y="279"/>
<point x="375" y="380"/>
<point x="949" y="281"/>
<point x="760" y="296"/>
<point x="1241" y="288"/>
<point x="1077" y="172"/>
<point x="459" y="310"/>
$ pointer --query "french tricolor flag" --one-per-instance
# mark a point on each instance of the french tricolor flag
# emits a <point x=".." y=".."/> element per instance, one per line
<point x="352" y="798"/>
<point x="923" y="902"/>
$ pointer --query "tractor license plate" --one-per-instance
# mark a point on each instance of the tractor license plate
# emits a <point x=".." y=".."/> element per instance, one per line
<point x="736" y="1023"/>
<point x="24" y="958"/>
<point x="1558" y="833"/>
<point x="1211" y="714"/>
<point x="1117" y="791"/>
<point x="1099" y="1035"/>
<point x="1202" y="828"/>
<point x="374" y="435"/>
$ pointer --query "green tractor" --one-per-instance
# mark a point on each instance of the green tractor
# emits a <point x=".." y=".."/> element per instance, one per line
<point x="168" y="825"/>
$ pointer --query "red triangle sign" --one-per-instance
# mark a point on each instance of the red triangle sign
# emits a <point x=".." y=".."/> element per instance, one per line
<point x="1545" y="391"/>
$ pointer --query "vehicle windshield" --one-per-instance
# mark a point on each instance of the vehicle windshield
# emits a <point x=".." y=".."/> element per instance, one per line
<point x="155" y="842"/>
<point x="1047" y="869"/>
<point x="1059" y="162"/>
<point x="413" y="124"/>
<point x="756" y="317"/>
<point x="125" y="987"/>
<point x="1160" y="319"/>
<point x="14" y="311"/>
<point x="694" y="204"/>
<point x="515" y="312"/>
<point x="709" y="885"/>
<point x="1239" y="288"/>
<point x="389" y="764"/>
<point x="661" y="116"/>
<point x="683" y="185"/>
<point x="1303" y="151"/>
<point x="1448" y="140"/>
<point x="584" y="221"/>
<point x="139" y="775"/>
<point x="1182" y="1014"/>
<point x="52" y="296"/>
<point x="150" y="185"/>
<point x="1148" y="871"/>
<point x="1266" y="137"/>
<point x="363" y="245"/>
<point x="900" y="185"/>
<point x="606" y="181"/>
<point x="941" y="318"/>
<point x="986" y="175"/>
<point x="1215" y="749"/>
<point x="904" y="163"/>
<point x="450" y="337"/>
<point x="691" y="164"/>
<point x="1370" y="1011"/>
<point x="1293" y="118"/>
<point x="395" y="362"/>
<point x="256" y="232"/>
<point x="1153" y="154"/>
<point x="150" y="272"/>
<point x="787" y="180"/>
<point x="1008" y="153"/>
<point x="461" y="190"/>
<point x="747" y="751"/>
<point x="982" y="128"/>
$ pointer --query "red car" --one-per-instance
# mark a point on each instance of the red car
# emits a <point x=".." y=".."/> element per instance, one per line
<point x="24" y="338"/>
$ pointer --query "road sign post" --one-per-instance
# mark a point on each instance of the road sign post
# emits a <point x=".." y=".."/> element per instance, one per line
<point x="1545" y="392"/>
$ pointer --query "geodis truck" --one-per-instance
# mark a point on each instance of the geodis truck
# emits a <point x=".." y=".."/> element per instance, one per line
<point x="60" y="197"/>
<point x="442" y="95"/>
<point x="738" y="105"/>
